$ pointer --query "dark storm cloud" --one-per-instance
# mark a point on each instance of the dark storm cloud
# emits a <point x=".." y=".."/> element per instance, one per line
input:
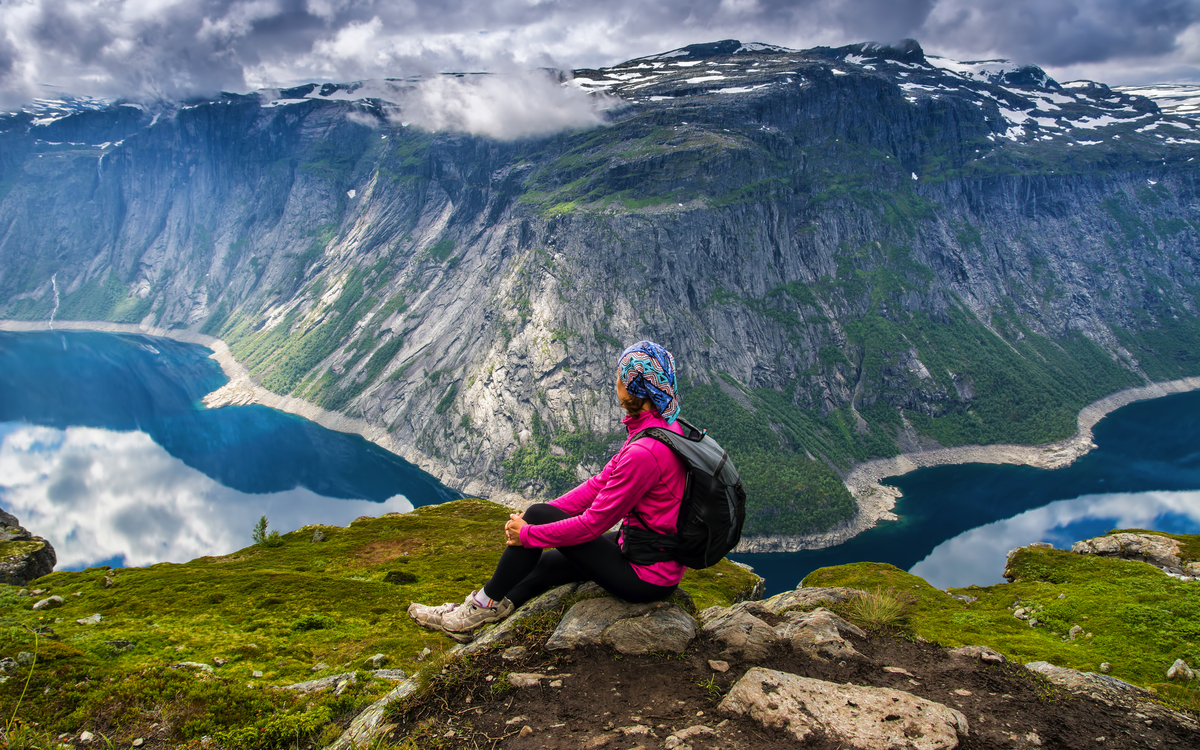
<point x="1062" y="32"/>
<point x="146" y="48"/>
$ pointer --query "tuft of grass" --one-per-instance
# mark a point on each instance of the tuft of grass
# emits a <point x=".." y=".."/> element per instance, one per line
<point x="876" y="609"/>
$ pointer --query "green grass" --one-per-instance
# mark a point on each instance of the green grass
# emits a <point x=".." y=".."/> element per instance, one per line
<point x="535" y="461"/>
<point x="1140" y="619"/>
<point x="277" y="610"/>
<point x="104" y="298"/>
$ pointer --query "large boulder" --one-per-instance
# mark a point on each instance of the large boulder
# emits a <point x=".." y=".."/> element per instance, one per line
<point x="585" y="622"/>
<point x="867" y="718"/>
<point x="666" y="627"/>
<point x="628" y="628"/>
<point x="23" y="556"/>
<point x="1160" y="551"/>
<point x="743" y="634"/>
<point x="819" y="634"/>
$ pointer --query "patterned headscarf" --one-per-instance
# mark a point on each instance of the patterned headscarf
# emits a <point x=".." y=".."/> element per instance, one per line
<point x="648" y="371"/>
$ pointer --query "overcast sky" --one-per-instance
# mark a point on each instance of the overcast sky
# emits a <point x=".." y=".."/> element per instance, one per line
<point x="148" y="48"/>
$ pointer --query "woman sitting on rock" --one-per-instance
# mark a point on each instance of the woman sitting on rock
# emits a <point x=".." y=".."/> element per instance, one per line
<point x="643" y="485"/>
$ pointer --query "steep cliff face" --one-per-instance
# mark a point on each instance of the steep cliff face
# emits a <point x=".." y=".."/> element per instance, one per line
<point x="849" y="251"/>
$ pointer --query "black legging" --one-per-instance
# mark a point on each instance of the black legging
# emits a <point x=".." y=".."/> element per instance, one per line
<point x="525" y="572"/>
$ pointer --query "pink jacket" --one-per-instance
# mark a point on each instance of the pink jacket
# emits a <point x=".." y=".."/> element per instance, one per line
<point x="645" y="476"/>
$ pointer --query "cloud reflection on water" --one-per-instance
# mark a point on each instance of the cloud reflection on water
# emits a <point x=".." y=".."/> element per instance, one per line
<point x="100" y="495"/>
<point x="978" y="556"/>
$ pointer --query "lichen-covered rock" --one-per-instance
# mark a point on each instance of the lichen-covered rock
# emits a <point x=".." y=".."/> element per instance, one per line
<point x="585" y="623"/>
<point x="742" y="634"/>
<point x="679" y="740"/>
<point x="808" y="598"/>
<point x="1109" y="690"/>
<point x="1180" y="672"/>
<point x="1160" y="551"/>
<point x="664" y="628"/>
<point x="820" y="634"/>
<point x="525" y="679"/>
<point x="982" y="653"/>
<point x="314" y="686"/>
<point x="867" y="718"/>
<point x="49" y="602"/>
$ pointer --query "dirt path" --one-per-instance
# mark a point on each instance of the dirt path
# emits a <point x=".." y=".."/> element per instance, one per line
<point x="593" y="698"/>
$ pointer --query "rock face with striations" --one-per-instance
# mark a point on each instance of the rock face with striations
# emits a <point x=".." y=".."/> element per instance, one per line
<point x="23" y="556"/>
<point x="840" y="246"/>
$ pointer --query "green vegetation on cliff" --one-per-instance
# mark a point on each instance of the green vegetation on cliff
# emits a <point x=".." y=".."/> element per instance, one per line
<point x="1133" y="616"/>
<point x="276" y="610"/>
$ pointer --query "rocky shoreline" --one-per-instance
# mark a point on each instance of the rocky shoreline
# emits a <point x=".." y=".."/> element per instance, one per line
<point x="875" y="501"/>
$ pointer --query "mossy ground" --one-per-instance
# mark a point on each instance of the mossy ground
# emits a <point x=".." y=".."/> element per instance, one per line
<point x="278" y="610"/>
<point x="18" y="548"/>
<point x="1140" y="619"/>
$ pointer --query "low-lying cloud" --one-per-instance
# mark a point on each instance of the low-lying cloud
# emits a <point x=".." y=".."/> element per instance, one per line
<point x="99" y="495"/>
<point x="505" y="107"/>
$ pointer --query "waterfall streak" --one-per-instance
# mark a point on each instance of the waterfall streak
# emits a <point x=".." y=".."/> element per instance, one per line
<point x="54" y="283"/>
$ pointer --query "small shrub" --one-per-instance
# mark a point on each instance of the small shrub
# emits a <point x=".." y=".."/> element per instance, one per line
<point x="262" y="537"/>
<point x="313" y="622"/>
<point x="399" y="577"/>
<point x="280" y="730"/>
<point x="876" y="609"/>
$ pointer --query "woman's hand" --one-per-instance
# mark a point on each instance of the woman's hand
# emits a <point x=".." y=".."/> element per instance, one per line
<point x="512" y="529"/>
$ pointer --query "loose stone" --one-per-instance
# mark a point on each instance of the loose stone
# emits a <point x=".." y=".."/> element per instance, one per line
<point x="376" y="661"/>
<point x="513" y="653"/>
<point x="1181" y="672"/>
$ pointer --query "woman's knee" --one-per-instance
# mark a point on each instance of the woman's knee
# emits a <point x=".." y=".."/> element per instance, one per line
<point x="540" y="513"/>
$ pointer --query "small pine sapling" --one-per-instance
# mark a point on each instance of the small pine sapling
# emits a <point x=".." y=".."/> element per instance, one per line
<point x="262" y="537"/>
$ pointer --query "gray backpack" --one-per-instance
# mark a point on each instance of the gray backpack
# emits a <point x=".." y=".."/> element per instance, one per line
<point x="712" y="511"/>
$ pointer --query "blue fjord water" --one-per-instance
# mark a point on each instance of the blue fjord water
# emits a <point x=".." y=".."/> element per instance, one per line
<point x="958" y="522"/>
<point x="106" y="450"/>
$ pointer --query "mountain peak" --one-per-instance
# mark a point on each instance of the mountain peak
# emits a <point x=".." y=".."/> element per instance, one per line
<point x="706" y="50"/>
<point x="905" y="51"/>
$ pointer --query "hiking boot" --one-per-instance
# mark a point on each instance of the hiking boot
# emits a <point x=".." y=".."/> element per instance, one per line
<point x="465" y="617"/>
<point x="428" y="616"/>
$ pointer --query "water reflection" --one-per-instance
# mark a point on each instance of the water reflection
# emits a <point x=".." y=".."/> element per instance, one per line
<point x="101" y="496"/>
<point x="977" y="556"/>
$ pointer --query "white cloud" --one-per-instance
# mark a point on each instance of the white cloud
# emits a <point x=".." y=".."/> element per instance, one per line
<point x="98" y="494"/>
<point x="506" y="107"/>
